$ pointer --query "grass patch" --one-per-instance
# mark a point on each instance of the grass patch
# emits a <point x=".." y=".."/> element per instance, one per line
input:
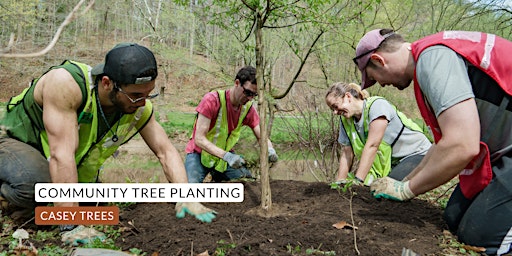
<point x="440" y="196"/>
<point x="285" y="129"/>
<point x="223" y="247"/>
<point x="178" y="122"/>
<point x="136" y="162"/>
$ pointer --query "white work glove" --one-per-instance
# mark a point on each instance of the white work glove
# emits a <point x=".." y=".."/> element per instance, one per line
<point x="202" y="213"/>
<point x="81" y="235"/>
<point x="234" y="160"/>
<point x="391" y="189"/>
<point x="272" y="155"/>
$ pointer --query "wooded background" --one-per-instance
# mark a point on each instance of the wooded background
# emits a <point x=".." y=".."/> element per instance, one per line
<point x="299" y="47"/>
<point x="220" y="30"/>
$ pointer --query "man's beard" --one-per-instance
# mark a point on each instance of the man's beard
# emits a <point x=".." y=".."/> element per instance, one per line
<point x="118" y="105"/>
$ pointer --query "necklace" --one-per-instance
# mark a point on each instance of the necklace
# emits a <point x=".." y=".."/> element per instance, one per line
<point x="115" y="138"/>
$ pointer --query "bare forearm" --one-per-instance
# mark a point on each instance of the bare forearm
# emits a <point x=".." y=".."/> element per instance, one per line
<point x="458" y="145"/>
<point x="173" y="167"/>
<point x="63" y="172"/>
<point x="211" y="148"/>
<point x="422" y="164"/>
<point x="366" y="162"/>
<point x="441" y="164"/>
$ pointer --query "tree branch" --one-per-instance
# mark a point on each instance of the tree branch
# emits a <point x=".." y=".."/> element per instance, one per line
<point x="302" y="63"/>
<point x="71" y="16"/>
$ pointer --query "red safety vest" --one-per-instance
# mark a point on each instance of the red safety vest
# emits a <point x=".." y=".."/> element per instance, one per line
<point x="482" y="50"/>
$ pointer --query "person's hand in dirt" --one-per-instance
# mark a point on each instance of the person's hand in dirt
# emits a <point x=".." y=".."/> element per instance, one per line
<point x="349" y="181"/>
<point x="357" y="181"/>
<point x="234" y="160"/>
<point x="391" y="189"/>
<point x="272" y="155"/>
<point x="76" y="235"/>
<point x="202" y="213"/>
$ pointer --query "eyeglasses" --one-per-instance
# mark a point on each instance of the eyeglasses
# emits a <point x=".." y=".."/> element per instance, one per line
<point x="151" y="96"/>
<point x="249" y="93"/>
<point x="384" y="37"/>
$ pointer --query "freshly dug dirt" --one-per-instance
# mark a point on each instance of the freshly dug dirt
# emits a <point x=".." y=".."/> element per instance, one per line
<point x="304" y="214"/>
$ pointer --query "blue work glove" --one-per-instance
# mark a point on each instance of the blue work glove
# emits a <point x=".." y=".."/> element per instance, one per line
<point x="272" y="155"/>
<point x="202" y="213"/>
<point x="81" y="235"/>
<point x="234" y="160"/>
<point x="391" y="189"/>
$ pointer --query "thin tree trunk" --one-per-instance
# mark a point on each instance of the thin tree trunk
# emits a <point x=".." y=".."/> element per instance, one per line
<point x="192" y="30"/>
<point x="266" y="195"/>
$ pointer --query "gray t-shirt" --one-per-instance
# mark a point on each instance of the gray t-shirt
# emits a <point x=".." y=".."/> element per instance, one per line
<point x="443" y="78"/>
<point x="409" y="143"/>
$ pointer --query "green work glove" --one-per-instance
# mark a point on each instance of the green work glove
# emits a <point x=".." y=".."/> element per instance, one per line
<point x="202" y="213"/>
<point x="81" y="235"/>
<point x="391" y="189"/>
<point x="272" y="155"/>
<point x="234" y="160"/>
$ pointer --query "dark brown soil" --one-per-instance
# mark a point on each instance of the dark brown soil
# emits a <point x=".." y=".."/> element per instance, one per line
<point x="306" y="214"/>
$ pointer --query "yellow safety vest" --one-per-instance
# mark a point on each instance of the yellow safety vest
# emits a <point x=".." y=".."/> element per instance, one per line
<point x="219" y="135"/>
<point x="381" y="166"/>
<point x="23" y="122"/>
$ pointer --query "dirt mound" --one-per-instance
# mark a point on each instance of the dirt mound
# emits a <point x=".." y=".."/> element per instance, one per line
<point x="304" y="225"/>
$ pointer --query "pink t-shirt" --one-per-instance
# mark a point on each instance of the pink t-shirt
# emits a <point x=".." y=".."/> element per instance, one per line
<point x="209" y="107"/>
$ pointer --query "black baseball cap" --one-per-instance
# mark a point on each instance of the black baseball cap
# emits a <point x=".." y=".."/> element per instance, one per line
<point x="126" y="63"/>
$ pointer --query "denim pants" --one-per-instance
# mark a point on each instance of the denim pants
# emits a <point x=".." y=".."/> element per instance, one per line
<point x="21" y="167"/>
<point x="196" y="172"/>
<point x="405" y="166"/>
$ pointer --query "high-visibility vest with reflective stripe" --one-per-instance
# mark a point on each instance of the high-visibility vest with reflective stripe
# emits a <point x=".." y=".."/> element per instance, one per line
<point x="381" y="166"/>
<point x="23" y="121"/>
<point x="483" y="51"/>
<point x="220" y="136"/>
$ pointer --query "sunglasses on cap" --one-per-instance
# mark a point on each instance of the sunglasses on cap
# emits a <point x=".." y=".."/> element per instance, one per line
<point x="384" y="37"/>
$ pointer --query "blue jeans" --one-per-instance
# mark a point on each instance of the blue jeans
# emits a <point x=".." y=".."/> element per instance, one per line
<point x="404" y="167"/>
<point x="196" y="172"/>
<point x="21" y="167"/>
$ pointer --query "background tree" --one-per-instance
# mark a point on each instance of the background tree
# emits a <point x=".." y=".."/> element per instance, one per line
<point x="298" y="46"/>
<point x="268" y="32"/>
<point x="69" y="18"/>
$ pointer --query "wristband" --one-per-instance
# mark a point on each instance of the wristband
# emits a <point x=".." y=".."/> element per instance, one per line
<point x="360" y="180"/>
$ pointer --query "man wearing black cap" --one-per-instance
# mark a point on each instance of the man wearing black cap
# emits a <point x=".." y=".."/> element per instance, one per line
<point x="70" y="120"/>
<point x="463" y="87"/>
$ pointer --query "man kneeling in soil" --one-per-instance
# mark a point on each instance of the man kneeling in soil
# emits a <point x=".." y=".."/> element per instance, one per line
<point x="64" y="126"/>
<point x="220" y="117"/>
